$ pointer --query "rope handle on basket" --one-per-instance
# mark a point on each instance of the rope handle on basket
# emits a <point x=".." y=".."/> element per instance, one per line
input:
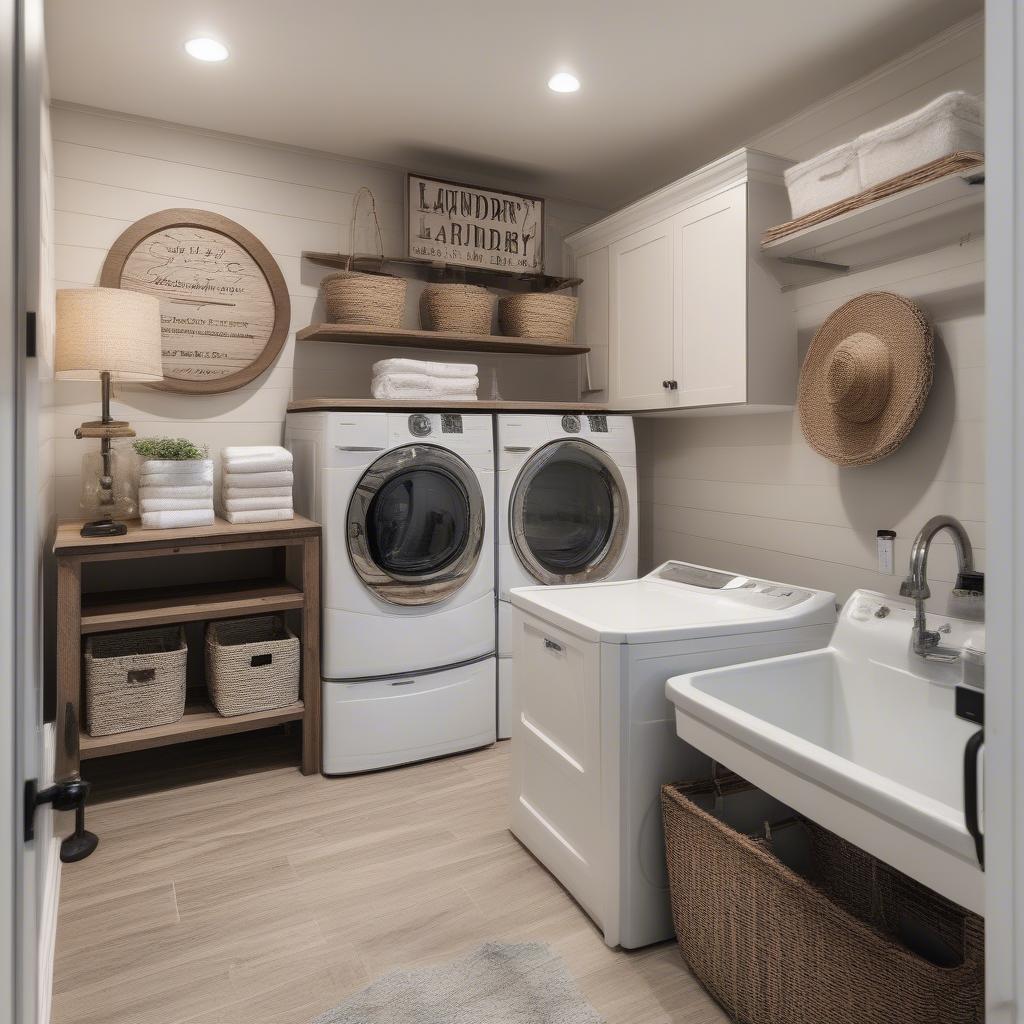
<point x="352" y="227"/>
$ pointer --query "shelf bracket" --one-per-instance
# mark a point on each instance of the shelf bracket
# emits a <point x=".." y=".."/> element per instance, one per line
<point x="803" y="261"/>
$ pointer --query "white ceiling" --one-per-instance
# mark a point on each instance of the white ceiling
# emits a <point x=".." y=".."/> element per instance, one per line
<point x="459" y="86"/>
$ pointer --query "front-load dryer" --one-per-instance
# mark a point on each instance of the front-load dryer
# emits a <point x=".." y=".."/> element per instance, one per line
<point x="567" y="513"/>
<point x="406" y="503"/>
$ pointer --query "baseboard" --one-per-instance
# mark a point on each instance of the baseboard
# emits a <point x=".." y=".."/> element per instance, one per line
<point x="48" y="927"/>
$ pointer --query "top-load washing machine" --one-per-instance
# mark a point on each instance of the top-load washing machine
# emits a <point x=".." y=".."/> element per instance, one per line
<point x="406" y="502"/>
<point x="567" y="513"/>
<point x="595" y="737"/>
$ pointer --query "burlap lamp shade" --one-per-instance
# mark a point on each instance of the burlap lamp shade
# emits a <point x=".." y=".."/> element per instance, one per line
<point x="865" y="378"/>
<point x="108" y="330"/>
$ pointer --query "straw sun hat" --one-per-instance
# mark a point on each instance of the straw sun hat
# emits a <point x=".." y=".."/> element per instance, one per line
<point x="865" y="378"/>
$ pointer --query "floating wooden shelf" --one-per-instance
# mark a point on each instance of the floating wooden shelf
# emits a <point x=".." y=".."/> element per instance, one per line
<point x="450" y="272"/>
<point x="409" y="338"/>
<point x="141" y="608"/>
<point x="481" y="405"/>
<point x="909" y="223"/>
<point x="201" y="721"/>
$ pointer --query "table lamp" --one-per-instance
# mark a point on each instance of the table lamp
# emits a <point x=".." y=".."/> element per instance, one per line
<point x="107" y="334"/>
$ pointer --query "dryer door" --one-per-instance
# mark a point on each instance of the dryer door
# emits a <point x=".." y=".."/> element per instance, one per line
<point x="416" y="525"/>
<point x="569" y="513"/>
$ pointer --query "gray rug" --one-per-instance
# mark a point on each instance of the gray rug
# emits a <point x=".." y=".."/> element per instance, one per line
<point x="497" y="983"/>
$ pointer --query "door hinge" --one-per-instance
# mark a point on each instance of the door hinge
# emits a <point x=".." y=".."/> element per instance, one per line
<point x="30" y="334"/>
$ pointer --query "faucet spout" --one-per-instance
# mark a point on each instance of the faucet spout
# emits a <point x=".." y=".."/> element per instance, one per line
<point x="926" y="642"/>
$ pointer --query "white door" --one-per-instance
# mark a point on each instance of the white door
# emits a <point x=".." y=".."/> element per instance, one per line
<point x="640" y="317"/>
<point x="710" y="344"/>
<point x="1004" y="599"/>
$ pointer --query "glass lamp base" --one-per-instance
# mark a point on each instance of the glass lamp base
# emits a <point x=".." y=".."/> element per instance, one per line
<point x="122" y="500"/>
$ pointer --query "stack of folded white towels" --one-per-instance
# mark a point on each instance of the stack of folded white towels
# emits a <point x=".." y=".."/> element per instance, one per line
<point x="256" y="485"/>
<point x="414" y="379"/>
<point x="175" y="494"/>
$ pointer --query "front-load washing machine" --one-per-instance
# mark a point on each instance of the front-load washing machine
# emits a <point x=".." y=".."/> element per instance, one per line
<point x="405" y="501"/>
<point x="595" y="737"/>
<point x="567" y="513"/>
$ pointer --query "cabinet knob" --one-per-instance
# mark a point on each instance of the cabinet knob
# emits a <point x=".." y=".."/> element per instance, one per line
<point x="671" y="385"/>
<point x="666" y="383"/>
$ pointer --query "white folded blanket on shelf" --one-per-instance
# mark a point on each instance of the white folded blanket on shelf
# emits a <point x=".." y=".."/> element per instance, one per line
<point x="273" y="515"/>
<point x="174" y="504"/>
<point x="183" y="491"/>
<point x="414" y="386"/>
<point x="200" y="470"/>
<point x="420" y="366"/>
<point x="250" y="504"/>
<point x="256" y="459"/>
<point x="283" y="478"/>
<point x="177" y="520"/>
<point x="257" y="492"/>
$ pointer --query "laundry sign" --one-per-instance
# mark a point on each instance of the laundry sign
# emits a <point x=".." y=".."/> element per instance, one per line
<point x="449" y="222"/>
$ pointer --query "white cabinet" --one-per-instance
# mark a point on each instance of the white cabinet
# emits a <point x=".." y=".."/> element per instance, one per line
<point x="692" y="316"/>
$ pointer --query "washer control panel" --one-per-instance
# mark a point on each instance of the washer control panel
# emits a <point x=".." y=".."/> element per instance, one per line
<point x="451" y="423"/>
<point x="419" y="424"/>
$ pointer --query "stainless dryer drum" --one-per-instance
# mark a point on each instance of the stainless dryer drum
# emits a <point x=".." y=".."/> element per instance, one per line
<point x="569" y="513"/>
<point x="416" y="525"/>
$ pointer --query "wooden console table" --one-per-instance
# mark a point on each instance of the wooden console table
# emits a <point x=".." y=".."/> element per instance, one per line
<point x="79" y="614"/>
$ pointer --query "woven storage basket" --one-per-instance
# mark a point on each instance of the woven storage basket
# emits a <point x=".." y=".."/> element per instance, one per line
<point x="539" y="315"/>
<point x="774" y="947"/>
<point x="134" y="680"/>
<point x="251" y="665"/>
<point x="466" y="308"/>
<point x="357" y="297"/>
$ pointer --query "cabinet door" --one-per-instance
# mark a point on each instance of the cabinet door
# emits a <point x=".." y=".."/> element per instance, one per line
<point x="641" y="338"/>
<point x="710" y="249"/>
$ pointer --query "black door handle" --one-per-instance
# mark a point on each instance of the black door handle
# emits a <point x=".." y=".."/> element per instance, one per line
<point x="971" y="751"/>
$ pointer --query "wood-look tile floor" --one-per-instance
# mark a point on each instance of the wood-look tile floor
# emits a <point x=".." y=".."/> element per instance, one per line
<point x="266" y="897"/>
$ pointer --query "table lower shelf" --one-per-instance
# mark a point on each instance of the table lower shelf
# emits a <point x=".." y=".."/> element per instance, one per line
<point x="200" y="722"/>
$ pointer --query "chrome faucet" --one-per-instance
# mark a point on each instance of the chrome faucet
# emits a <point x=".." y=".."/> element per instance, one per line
<point x="926" y="642"/>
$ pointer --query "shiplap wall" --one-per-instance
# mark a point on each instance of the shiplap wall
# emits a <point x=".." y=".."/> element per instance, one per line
<point x="747" y="493"/>
<point x="112" y="169"/>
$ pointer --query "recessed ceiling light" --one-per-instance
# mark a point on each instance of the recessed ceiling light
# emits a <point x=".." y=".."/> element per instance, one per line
<point x="563" y="82"/>
<point x="206" y="49"/>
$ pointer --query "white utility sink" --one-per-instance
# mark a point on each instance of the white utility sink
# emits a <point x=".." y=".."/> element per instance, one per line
<point x="861" y="737"/>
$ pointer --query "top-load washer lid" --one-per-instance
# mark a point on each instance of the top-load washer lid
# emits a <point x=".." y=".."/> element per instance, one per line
<point x="569" y="513"/>
<point x="416" y="525"/>
<point x="677" y="601"/>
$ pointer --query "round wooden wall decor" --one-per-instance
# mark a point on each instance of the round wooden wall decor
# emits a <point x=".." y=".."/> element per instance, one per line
<point x="223" y="300"/>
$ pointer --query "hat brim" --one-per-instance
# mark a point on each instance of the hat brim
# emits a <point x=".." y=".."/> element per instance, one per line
<point x="904" y="329"/>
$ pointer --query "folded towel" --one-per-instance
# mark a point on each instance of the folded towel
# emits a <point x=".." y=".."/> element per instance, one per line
<point x="384" y="388"/>
<point x="420" y="366"/>
<point x="176" y="520"/>
<point x="256" y="459"/>
<point x="257" y="492"/>
<point x="173" y="504"/>
<point x="250" y="504"/>
<point x="175" y="479"/>
<point x="186" y="491"/>
<point x="273" y="515"/>
<point x="280" y="479"/>
<point x="198" y="468"/>
<point x="416" y="381"/>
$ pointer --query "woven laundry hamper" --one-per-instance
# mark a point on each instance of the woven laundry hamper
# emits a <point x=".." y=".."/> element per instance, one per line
<point x="251" y="665"/>
<point x="465" y="308"/>
<point x="775" y="947"/>
<point x="372" y="299"/>
<point x="546" y="315"/>
<point x="134" y="680"/>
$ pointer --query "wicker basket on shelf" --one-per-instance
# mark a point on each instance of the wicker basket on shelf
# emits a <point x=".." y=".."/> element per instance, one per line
<point x="851" y="942"/>
<point x="463" y="308"/>
<point x="134" y="680"/>
<point x="372" y="299"/>
<point x="547" y="315"/>
<point x="251" y="665"/>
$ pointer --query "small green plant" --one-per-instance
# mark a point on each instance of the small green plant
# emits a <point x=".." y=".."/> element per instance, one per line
<point x="178" y="449"/>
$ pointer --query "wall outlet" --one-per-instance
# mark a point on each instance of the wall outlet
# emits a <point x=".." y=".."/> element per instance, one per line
<point x="886" y="540"/>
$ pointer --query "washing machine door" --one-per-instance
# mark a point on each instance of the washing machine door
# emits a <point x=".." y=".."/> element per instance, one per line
<point x="569" y="513"/>
<point x="416" y="525"/>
